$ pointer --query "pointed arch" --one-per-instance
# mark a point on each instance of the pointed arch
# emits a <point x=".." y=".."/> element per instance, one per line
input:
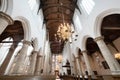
<point x="84" y="39"/>
<point x="99" y="18"/>
<point x="26" y="27"/>
<point x="5" y="20"/>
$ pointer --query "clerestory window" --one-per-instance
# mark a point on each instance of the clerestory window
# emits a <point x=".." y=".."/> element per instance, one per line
<point x="32" y="4"/>
<point x="87" y="5"/>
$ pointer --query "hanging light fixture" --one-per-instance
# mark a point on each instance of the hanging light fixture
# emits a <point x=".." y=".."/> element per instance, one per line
<point x="64" y="29"/>
<point x="59" y="58"/>
<point x="117" y="56"/>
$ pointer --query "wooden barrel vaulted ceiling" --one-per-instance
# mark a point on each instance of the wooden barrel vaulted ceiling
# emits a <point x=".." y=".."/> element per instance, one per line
<point x="53" y="12"/>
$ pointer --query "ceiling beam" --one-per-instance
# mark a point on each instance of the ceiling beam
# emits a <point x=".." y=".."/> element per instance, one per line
<point x="57" y="13"/>
<point x="57" y="19"/>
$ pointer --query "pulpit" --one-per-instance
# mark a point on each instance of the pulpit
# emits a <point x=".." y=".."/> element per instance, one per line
<point x="67" y="65"/>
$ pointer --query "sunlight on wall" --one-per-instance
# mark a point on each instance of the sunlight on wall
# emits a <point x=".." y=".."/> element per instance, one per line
<point x="88" y="5"/>
<point x="32" y="3"/>
<point x="33" y="6"/>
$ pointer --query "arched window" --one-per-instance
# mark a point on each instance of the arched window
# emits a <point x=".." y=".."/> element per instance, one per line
<point x="77" y="23"/>
<point x="33" y="4"/>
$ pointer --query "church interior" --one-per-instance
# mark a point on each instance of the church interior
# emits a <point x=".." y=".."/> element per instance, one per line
<point x="59" y="40"/>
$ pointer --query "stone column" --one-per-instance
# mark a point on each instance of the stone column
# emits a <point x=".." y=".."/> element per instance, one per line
<point x="5" y="63"/>
<point x="79" y="71"/>
<point x="110" y="59"/>
<point x="20" y="63"/>
<point x="74" y="67"/>
<point x="42" y="62"/>
<point x="26" y="64"/>
<point x="33" y="60"/>
<point x="5" y="20"/>
<point x="87" y="62"/>
<point x="46" y="68"/>
<point x="38" y="65"/>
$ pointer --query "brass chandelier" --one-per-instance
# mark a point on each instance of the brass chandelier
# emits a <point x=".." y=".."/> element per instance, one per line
<point x="64" y="29"/>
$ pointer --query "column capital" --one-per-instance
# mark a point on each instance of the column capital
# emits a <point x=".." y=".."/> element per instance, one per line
<point x="6" y="17"/>
<point x="26" y="42"/>
<point x="84" y="51"/>
<point x="98" y="38"/>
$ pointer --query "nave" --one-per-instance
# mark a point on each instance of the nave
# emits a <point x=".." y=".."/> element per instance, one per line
<point x="59" y="39"/>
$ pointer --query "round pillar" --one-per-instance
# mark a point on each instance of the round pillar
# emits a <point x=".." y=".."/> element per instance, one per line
<point x="33" y="60"/>
<point x="110" y="59"/>
<point x="79" y="71"/>
<point x="20" y="63"/>
<point x="87" y="62"/>
<point x="39" y="65"/>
